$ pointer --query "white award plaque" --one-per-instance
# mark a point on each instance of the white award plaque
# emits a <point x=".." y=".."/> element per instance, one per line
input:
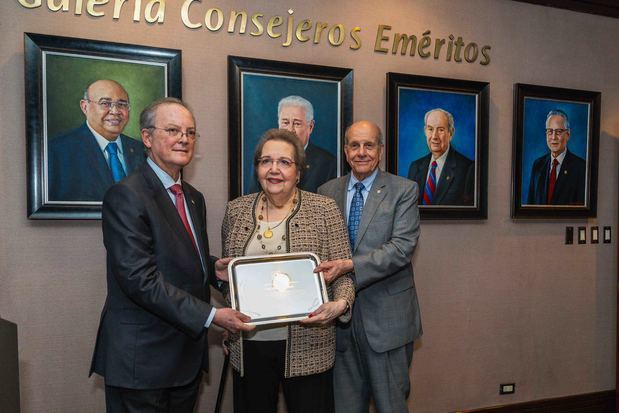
<point x="276" y="288"/>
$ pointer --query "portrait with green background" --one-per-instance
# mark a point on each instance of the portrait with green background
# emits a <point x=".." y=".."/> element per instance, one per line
<point x="68" y="76"/>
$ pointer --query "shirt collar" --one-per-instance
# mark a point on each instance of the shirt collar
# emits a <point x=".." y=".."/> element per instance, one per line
<point x="102" y="142"/>
<point x="441" y="159"/>
<point x="367" y="182"/>
<point x="163" y="176"/>
<point x="561" y="157"/>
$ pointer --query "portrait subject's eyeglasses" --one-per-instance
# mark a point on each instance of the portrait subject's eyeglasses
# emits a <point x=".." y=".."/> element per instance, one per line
<point x="174" y="132"/>
<point x="559" y="132"/>
<point x="107" y="104"/>
<point x="283" y="163"/>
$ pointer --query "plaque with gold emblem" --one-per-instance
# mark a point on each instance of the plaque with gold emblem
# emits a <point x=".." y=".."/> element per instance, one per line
<point x="276" y="288"/>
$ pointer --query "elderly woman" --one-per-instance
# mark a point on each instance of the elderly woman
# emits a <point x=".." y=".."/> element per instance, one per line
<point x="279" y="219"/>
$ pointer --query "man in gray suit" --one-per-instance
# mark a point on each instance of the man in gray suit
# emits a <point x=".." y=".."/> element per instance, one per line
<point x="375" y="349"/>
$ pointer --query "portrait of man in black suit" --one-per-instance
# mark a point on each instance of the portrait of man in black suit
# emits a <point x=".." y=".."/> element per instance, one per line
<point x="84" y="162"/>
<point x="444" y="176"/>
<point x="557" y="177"/>
<point x="296" y="114"/>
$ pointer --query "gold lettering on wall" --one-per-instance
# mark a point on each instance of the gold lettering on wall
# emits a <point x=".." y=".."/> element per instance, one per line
<point x="158" y="17"/>
<point x="283" y="27"/>
<point x="30" y="4"/>
<point x="208" y="19"/>
<point x="274" y="21"/>
<point x="233" y="17"/>
<point x="303" y="26"/>
<point x="90" y="7"/>
<point x="185" y="15"/>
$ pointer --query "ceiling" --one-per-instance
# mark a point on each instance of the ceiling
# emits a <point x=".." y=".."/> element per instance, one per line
<point x="608" y="8"/>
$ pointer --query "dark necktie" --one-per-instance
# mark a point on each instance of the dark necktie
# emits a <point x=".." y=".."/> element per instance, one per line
<point x="118" y="172"/>
<point x="177" y="190"/>
<point x="552" y="180"/>
<point x="354" y="216"/>
<point x="430" y="188"/>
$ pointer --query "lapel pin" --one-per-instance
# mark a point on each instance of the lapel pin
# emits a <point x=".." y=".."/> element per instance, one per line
<point x="448" y="177"/>
<point x="564" y="172"/>
<point x="193" y="202"/>
<point x="378" y="191"/>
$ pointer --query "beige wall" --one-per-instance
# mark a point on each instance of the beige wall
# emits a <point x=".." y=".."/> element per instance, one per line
<point x="502" y="301"/>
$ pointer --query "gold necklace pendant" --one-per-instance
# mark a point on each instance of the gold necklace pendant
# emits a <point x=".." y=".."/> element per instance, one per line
<point x="268" y="233"/>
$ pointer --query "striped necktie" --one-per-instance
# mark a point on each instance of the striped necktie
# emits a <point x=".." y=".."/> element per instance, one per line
<point x="430" y="188"/>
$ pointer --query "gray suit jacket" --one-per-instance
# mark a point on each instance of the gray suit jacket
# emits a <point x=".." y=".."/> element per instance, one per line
<point x="386" y="240"/>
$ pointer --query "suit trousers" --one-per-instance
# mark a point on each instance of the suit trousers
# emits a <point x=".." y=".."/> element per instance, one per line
<point x="258" y="389"/>
<point x="360" y="373"/>
<point x="171" y="400"/>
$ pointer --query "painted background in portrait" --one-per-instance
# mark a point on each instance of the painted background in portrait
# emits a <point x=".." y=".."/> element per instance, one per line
<point x="413" y="105"/>
<point x="260" y="96"/>
<point x="67" y="76"/>
<point x="534" y="136"/>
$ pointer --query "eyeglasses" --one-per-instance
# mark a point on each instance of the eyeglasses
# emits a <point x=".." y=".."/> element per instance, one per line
<point x="174" y="132"/>
<point x="559" y="132"/>
<point x="283" y="163"/>
<point x="107" y="104"/>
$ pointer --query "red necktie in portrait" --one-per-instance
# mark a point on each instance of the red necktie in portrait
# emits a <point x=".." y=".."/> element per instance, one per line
<point x="552" y="180"/>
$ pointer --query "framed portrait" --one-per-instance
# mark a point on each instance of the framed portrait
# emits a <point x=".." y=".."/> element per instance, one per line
<point x="437" y="136"/>
<point x="555" y="152"/>
<point x="81" y="95"/>
<point x="313" y="101"/>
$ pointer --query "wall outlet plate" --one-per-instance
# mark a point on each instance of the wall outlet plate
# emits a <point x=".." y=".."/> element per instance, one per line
<point x="607" y="235"/>
<point x="507" y="388"/>
<point x="595" y="235"/>
<point x="569" y="235"/>
<point x="582" y="235"/>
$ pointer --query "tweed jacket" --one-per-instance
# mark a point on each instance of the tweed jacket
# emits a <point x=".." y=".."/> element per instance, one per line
<point x="315" y="225"/>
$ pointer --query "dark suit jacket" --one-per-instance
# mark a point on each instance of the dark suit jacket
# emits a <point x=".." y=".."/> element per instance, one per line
<point x="320" y="167"/>
<point x="456" y="186"/>
<point x="570" y="185"/>
<point x="151" y="334"/>
<point x="78" y="170"/>
<point x="386" y="240"/>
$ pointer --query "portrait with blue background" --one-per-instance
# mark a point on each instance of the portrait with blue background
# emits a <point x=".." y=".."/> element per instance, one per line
<point x="260" y="95"/>
<point x="413" y="105"/>
<point x="534" y="135"/>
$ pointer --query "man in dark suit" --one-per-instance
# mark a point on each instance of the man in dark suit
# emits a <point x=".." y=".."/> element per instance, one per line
<point x="557" y="178"/>
<point x="84" y="162"/>
<point x="152" y="339"/>
<point x="375" y="349"/>
<point x="296" y="114"/>
<point x="446" y="176"/>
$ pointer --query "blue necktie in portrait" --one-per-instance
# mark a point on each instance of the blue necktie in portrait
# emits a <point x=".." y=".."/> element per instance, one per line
<point x="118" y="172"/>
<point x="354" y="217"/>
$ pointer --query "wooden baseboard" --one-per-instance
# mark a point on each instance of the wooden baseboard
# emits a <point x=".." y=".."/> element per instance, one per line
<point x="600" y="402"/>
